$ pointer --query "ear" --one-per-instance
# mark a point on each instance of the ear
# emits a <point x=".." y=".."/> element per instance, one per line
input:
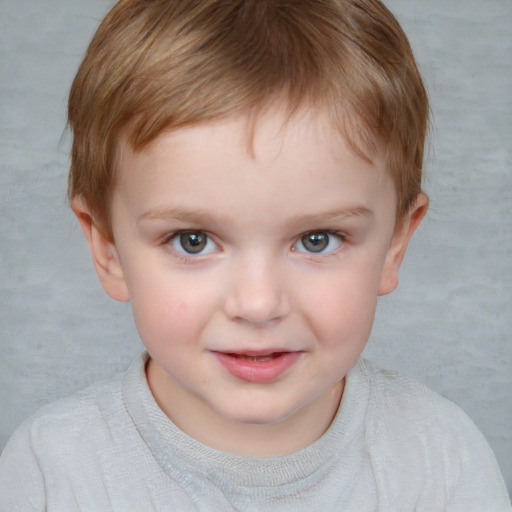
<point x="396" y="252"/>
<point x="103" y="251"/>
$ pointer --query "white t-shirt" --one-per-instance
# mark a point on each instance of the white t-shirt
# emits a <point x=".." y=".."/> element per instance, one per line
<point x="393" y="446"/>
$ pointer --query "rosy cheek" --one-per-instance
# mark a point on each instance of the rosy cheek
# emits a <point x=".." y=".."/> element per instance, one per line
<point x="183" y="309"/>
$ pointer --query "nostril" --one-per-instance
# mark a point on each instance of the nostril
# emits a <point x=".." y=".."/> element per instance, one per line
<point x="259" y="305"/>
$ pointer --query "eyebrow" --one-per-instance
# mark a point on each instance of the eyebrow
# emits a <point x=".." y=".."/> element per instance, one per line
<point x="335" y="214"/>
<point x="199" y="216"/>
<point x="184" y="214"/>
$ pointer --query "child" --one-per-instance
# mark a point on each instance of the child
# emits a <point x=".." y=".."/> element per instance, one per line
<point x="248" y="174"/>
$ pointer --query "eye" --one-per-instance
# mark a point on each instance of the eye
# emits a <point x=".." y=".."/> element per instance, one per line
<point x="319" y="242"/>
<point x="193" y="242"/>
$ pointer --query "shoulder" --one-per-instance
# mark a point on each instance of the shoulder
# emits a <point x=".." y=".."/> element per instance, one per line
<point x="82" y="438"/>
<point x="57" y="438"/>
<point x="74" y="416"/>
<point x="401" y="396"/>
<point x="409" y="409"/>
<point x="62" y="430"/>
<point x="86" y="452"/>
<point x="70" y="417"/>
<point x="418" y="432"/>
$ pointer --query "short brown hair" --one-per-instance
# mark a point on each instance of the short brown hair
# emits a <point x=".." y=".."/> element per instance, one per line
<point x="156" y="65"/>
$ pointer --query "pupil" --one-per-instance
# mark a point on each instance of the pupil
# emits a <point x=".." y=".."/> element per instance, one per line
<point x="193" y="242"/>
<point x="315" y="242"/>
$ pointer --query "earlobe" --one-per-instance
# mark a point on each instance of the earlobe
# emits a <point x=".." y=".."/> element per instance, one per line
<point x="401" y="237"/>
<point x="104" y="254"/>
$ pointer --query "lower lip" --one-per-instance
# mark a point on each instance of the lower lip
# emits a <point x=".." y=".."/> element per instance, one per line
<point x="258" y="371"/>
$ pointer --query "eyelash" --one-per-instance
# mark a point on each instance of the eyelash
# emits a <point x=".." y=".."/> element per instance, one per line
<point x="189" y="257"/>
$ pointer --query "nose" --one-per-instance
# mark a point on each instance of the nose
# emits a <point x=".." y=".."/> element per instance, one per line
<point x="256" y="293"/>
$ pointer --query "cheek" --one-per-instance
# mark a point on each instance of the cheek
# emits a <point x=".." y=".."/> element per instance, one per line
<point x="346" y="314"/>
<point x="169" y="311"/>
<point x="342" y="307"/>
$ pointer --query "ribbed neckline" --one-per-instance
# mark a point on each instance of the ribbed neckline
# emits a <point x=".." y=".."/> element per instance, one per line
<point x="181" y="456"/>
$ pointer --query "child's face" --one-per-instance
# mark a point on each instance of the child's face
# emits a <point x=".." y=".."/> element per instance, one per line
<point x="253" y="278"/>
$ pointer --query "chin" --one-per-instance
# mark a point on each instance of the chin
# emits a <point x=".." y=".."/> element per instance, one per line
<point x="256" y="417"/>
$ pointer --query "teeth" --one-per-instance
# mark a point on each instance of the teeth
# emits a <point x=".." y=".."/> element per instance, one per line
<point x="255" y="359"/>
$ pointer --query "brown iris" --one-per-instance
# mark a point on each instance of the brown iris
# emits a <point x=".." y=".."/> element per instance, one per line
<point x="315" y="242"/>
<point x="193" y="242"/>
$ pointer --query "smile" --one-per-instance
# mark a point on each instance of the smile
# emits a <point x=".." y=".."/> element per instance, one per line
<point x="255" y="359"/>
<point x="257" y="368"/>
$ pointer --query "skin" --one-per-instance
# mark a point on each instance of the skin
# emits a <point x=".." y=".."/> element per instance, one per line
<point x="258" y="286"/>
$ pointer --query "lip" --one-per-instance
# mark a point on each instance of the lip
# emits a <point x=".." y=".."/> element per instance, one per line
<point x="270" y="366"/>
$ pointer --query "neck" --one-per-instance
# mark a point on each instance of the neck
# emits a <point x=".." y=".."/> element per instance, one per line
<point x="197" y="420"/>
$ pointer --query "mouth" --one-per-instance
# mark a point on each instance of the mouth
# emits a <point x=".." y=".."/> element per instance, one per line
<point x="255" y="359"/>
<point x="257" y="366"/>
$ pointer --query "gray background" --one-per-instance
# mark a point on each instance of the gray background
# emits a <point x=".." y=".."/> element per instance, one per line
<point x="449" y="323"/>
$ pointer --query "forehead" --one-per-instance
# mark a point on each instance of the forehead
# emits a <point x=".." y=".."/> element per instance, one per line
<point x="289" y="166"/>
<point x="263" y="133"/>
